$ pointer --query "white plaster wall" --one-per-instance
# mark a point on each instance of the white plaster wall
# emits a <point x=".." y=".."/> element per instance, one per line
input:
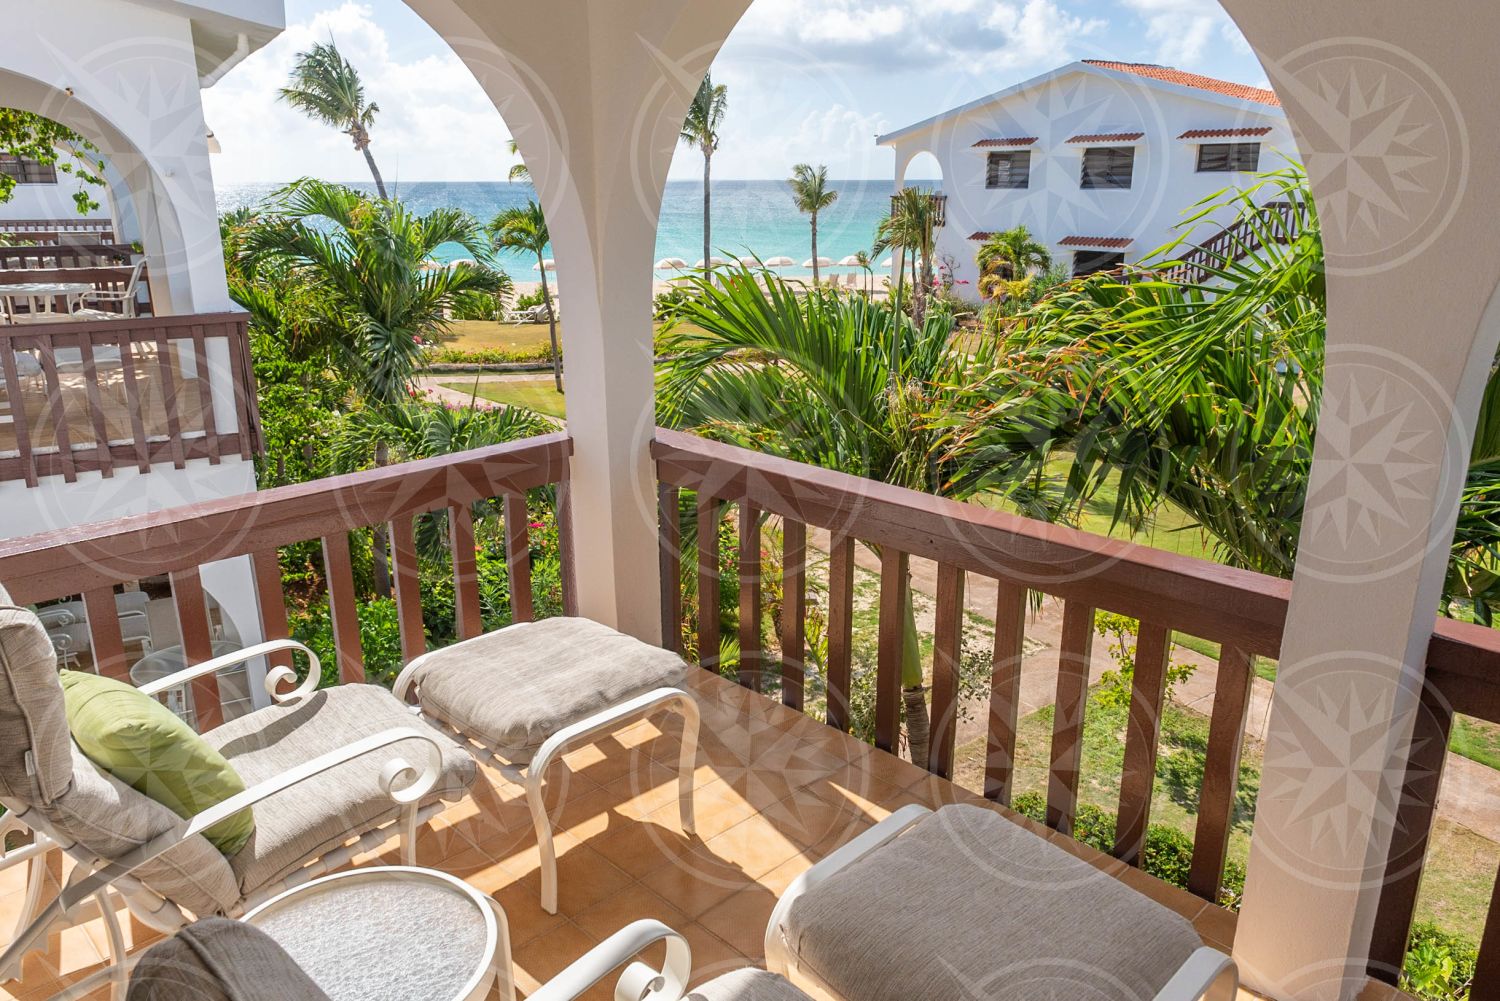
<point x="55" y="201"/>
<point x="1165" y="184"/>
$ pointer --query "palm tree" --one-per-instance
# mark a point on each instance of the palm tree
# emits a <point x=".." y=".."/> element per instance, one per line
<point x="862" y="258"/>
<point x="910" y="229"/>
<point x="518" y="171"/>
<point x="810" y="189"/>
<point x="326" y="88"/>
<point x="1007" y="256"/>
<point x="701" y="131"/>
<point x="524" y="229"/>
<point x="844" y="383"/>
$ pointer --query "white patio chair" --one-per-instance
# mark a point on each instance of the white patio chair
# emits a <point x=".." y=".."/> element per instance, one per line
<point x="322" y="794"/>
<point x="987" y="909"/>
<point x="521" y="697"/>
<point x="124" y="298"/>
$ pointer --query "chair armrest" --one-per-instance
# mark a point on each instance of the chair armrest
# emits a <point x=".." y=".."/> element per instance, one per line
<point x="274" y="677"/>
<point x="56" y="618"/>
<point x="400" y="780"/>
<point x="639" y="981"/>
<point x="1206" y="973"/>
<point x="40" y="843"/>
<point x="892" y="827"/>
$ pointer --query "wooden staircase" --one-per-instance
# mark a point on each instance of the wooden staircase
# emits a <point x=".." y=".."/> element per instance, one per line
<point x="1276" y="222"/>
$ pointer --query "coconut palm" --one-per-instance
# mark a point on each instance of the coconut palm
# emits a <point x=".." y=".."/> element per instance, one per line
<point x="326" y="88"/>
<point x="862" y="258"/>
<point x="523" y="229"/>
<point x="841" y="382"/>
<point x="700" y="130"/>
<point x="518" y="171"/>
<point x="1008" y="256"/>
<point x="910" y="229"/>
<point x="813" y="195"/>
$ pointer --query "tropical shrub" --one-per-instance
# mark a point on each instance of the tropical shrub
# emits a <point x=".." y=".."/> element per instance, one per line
<point x="1115" y="686"/>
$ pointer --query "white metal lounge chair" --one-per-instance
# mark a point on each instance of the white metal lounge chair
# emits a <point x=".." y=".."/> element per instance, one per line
<point x="125" y="298"/>
<point x="522" y="696"/>
<point x="330" y="773"/>
<point x="988" y="909"/>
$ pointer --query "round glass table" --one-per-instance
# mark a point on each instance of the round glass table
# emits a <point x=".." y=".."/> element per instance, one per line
<point x="392" y="933"/>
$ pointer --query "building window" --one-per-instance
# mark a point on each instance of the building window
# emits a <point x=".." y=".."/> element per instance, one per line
<point x="1108" y="166"/>
<point x="1009" y="170"/>
<point x="1086" y="262"/>
<point x="27" y="171"/>
<point x="1225" y="157"/>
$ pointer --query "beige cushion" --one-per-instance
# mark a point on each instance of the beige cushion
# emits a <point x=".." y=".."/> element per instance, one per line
<point x="747" y="985"/>
<point x="513" y="688"/>
<point x="295" y="825"/>
<point x="967" y="904"/>
<point x="220" y="960"/>
<point x="32" y="719"/>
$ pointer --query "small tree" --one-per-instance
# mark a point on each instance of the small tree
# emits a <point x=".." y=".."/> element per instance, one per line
<point x="700" y="130"/>
<point x="1007" y="257"/>
<point x="524" y="229"/>
<point x="810" y="189"/>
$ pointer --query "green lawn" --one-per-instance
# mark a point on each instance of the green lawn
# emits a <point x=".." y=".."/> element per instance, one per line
<point x="536" y="394"/>
<point x="488" y="335"/>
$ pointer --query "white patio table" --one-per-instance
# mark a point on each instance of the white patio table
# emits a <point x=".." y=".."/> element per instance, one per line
<point x="40" y="296"/>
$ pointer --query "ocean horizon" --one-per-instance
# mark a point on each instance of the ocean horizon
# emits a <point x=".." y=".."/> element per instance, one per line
<point x="750" y="217"/>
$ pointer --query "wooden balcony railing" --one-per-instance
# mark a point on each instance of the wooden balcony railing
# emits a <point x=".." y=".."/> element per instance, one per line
<point x="65" y="255"/>
<point x="58" y="230"/>
<point x="939" y="209"/>
<point x="1242" y="611"/>
<point x="1277" y="221"/>
<point x="103" y="277"/>
<point x="106" y="394"/>
<point x="90" y="560"/>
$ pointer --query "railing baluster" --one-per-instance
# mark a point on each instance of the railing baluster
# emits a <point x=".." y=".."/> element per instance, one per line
<point x="1486" y="986"/>
<point x="133" y="400"/>
<point x="1005" y="691"/>
<point x="669" y="536"/>
<point x="56" y="409"/>
<point x="15" y="394"/>
<point x="793" y="634"/>
<point x="708" y="582"/>
<point x="105" y="639"/>
<point x="271" y="601"/>
<point x="205" y="396"/>
<point x="343" y="608"/>
<point x="408" y="588"/>
<point x="243" y="377"/>
<point x="749" y="581"/>
<point x="1221" y="771"/>
<point x="1068" y="715"/>
<point x="840" y="627"/>
<point x="566" y="557"/>
<point x="169" y="397"/>
<point x="102" y="454"/>
<point x="947" y="647"/>
<point x="518" y="557"/>
<point x="197" y="644"/>
<point x="1142" y="733"/>
<point x="470" y="622"/>
<point x="1415" y="813"/>
<point x="894" y="566"/>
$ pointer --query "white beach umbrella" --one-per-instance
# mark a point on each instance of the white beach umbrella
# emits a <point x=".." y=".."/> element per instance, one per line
<point x="850" y="262"/>
<point x="749" y="261"/>
<point x="822" y="262"/>
<point x="461" y="260"/>
<point x="714" y="262"/>
<point x="549" y="264"/>
<point x="779" y="262"/>
<point x="431" y="265"/>
<point x="885" y="263"/>
<point x="671" y="264"/>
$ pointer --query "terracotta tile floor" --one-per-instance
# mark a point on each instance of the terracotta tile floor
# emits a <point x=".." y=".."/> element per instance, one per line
<point x="776" y="791"/>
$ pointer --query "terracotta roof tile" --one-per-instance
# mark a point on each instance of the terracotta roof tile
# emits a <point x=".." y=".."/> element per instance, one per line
<point x="1013" y="141"/>
<point x="1167" y="74"/>
<point x="1225" y="133"/>
<point x="1107" y="137"/>
<point x="983" y="234"/>
<point x="1103" y="242"/>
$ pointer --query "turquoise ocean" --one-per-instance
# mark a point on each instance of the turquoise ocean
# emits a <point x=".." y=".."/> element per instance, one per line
<point x="749" y="217"/>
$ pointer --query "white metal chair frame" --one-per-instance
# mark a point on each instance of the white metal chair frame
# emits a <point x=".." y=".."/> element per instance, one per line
<point x="1207" y="973"/>
<point x="86" y="894"/>
<point x="532" y="776"/>
<point x="125" y="296"/>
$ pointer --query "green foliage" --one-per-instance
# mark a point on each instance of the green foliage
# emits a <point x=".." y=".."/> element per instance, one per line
<point x="1115" y="686"/>
<point x="32" y="137"/>
<point x="1005" y="258"/>
<point x="667" y="305"/>
<point x="379" y="633"/>
<point x="530" y="299"/>
<point x="1438" y="966"/>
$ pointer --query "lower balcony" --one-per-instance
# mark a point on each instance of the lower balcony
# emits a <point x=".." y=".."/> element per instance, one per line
<point x="780" y="782"/>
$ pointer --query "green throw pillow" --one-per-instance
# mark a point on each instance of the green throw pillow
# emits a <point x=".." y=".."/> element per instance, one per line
<point x="143" y="744"/>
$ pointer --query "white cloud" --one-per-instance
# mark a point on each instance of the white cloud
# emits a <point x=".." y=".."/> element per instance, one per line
<point x="1188" y="33"/>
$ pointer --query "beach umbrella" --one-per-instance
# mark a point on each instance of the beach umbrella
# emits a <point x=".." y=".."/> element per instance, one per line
<point x="671" y="264"/>
<point x="779" y="262"/>
<point x="462" y="260"/>
<point x="750" y="261"/>
<point x="714" y="262"/>
<point x="549" y="264"/>
<point x="822" y="262"/>
<point x="850" y="262"/>
<point x="885" y="263"/>
<point x="431" y="265"/>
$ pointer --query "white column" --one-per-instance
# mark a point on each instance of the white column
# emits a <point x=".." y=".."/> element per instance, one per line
<point x="1385" y="127"/>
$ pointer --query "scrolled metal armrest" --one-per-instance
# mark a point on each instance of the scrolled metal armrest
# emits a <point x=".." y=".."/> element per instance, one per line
<point x="638" y="980"/>
<point x="274" y="676"/>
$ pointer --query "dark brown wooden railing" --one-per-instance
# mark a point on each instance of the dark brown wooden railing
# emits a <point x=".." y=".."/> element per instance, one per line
<point x="91" y="559"/>
<point x="58" y="230"/>
<point x="103" y="278"/>
<point x="67" y="255"/>
<point x="100" y="395"/>
<point x="1276" y="220"/>
<point x="1242" y="611"/>
<point x="939" y="209"/>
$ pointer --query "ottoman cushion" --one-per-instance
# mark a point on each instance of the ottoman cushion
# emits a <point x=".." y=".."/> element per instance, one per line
<point x="515" y="687"/>
<point x="967" y="904"/>
<point x="747" y="985"/>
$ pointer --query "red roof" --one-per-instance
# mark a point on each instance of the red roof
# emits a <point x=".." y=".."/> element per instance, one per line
<point x="1107" y="137"/>
<point x="1167" y="74"/>
<point x="1104" y="242"/>
<point x="983" y="234"/>
<point x="1016" y="141"/>
<point x="1224" y="133"/>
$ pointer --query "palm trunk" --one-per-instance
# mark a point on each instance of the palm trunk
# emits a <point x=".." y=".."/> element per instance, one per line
<point x="374" y="172"/>
<point x="815" y="248"/>
<point x="707" y="242"/>
<point x="913" y="683"/>
<point x="551" y="327"/>
<point x="380" y="547"/>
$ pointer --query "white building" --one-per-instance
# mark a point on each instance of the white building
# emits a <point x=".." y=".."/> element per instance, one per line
<point x="1099" y="160"/>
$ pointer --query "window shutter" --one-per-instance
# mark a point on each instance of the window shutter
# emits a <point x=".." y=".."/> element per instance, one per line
<point x="1226" y="157"/>
<point x="1108" y="167"/>
<point x="1008" y="170"/>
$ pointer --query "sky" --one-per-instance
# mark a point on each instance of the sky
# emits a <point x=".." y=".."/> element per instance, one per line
<point x="809" y="80"/>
